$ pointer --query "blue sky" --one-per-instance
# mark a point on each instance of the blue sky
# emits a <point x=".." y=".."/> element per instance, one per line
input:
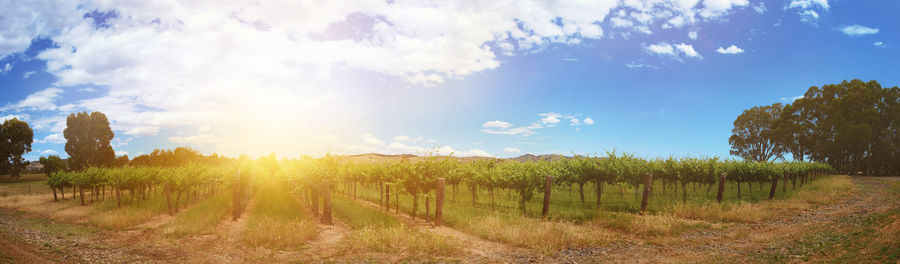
<point x="654" y="78"/>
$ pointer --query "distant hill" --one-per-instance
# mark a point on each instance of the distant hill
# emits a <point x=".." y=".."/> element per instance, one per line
<point x="532" y="157"/>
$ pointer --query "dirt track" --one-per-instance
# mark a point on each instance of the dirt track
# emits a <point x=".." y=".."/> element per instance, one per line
<point x="24" y="242"/>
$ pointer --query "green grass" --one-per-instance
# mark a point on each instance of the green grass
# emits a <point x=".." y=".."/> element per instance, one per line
<point x="278" y="220"/>
<point x="359" y="216"/>
<point x="201" y="218"/>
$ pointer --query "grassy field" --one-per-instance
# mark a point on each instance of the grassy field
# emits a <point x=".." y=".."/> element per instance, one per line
<point x="276" y="219"/>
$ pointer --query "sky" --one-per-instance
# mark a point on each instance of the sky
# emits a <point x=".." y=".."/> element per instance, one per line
<point x="472" y="78"/>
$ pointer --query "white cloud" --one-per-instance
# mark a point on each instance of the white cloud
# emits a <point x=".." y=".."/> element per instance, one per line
<point x="588" y="121"/>
<point x="550" y="119"/>
<point x="730" y="50"/>
<point x="661" y="49"/>
<point x="39" y="101"/>
<point x="666" y="49"/>
<point x="760" y="8"/>
<point x="497" y="124"/>
<point x="523" y="131"/>
<point x="805" y="4"/>
<point x="144" y="131"/>
<point x="806" y="9"/>
<point x="692" y="35"/>
<point x="574" y="122"/>
<point x="86" y="90"/>
<point x="200" y="139"/>
<point x="370" y="139"/>
<point x="55" y="138"/>
<point x="28" y="74"/>
<point x="6" y="68"/>
<point x="49" y="152"/>
<point x="857" y="30"/>
<point x="878" y="44"/>
<point x="636" y="65"/>
<point x="688" y="50"/>
<point x="121" y="152"/>
<point x="512" y="150"/>
<point x="791" y="99"/>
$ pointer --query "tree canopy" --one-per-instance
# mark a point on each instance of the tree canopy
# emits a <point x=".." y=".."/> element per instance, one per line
<point x="754" y="134"/>
<point x="88" y="139"/>
<point x="853" y="126"/>
<point x="15" y="140"/>
<point x="52" y="164"/>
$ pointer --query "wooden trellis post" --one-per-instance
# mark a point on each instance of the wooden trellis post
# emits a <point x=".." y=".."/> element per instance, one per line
<point x="648" y="186"/>
<point x="548" y="183"/>
<point x="326" y="203"/>
<point x="721" y="191"/>
<point x="439" y="202"/>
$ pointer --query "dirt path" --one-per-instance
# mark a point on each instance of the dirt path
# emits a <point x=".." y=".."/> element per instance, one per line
<point x="747" y="243"/>
<point x="14" y="251"/>
<point x="480" y="250"/>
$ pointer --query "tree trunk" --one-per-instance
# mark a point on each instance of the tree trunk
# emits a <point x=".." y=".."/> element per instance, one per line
<point x="439" y="203"/>
<point x="599" y="193"/>
<point x="774" y="186"/>
<point x="581" y="191"/>
<point x="522" y="201"/>
<point x="118" y="196"/>
<point x="721" y="188"/>
<point x="326" y="203"/>
<point x="426" y="206"/>
<point x="548" y="183"/>
<point x="474" y="195"/>
<point x="54" y="194"/>
<point x="784" y="184"/>
<point x="648" y="185"/>
<point x="415" y="205"/>
<point x="684" y="192"/>
<point x="81" y="193"/>
<point x="493" y="205"/>
<point x="387" y="197"/>
<point x="739" y="190"/>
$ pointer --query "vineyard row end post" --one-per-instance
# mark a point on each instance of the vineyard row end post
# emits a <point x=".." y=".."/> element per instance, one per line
<point x="439" y="202"/>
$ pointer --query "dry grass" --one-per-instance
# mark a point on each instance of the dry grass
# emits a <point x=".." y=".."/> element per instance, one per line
<point x="278" y="233"/>
<point x="546" y="236"/>
<point x="819" y="192"/>
<point x="278" y="220"/>
<point x="107" y="216"/>
<point x="400" y="240"/>
<point x="739" y="212"/>
<point x="653" y="225"/>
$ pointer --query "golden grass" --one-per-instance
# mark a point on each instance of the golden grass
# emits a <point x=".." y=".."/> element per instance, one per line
<point x="546" y="236"/>
<point x="277" y="233"/>
<point x="122" y="218"/>
<point x="819" y="192"/>
<point x="743" y="212"/>
<point x="654" y="225"/>
<point x="400" y="240"/>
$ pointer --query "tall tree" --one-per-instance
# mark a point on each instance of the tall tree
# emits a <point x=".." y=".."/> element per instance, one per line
<point x="87" y="140"/>
<point x="755" y="134"/>
<point x="15" y="140"/>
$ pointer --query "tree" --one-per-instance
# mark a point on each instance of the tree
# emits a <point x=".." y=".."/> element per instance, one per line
<point x="52" y="164"/>
<point x="15" y="140"/>
<point x="87" y="140"/>
<point x="755" y="134"/>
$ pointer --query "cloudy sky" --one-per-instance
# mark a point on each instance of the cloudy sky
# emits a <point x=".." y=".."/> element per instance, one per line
<point x="489" y="78"/>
